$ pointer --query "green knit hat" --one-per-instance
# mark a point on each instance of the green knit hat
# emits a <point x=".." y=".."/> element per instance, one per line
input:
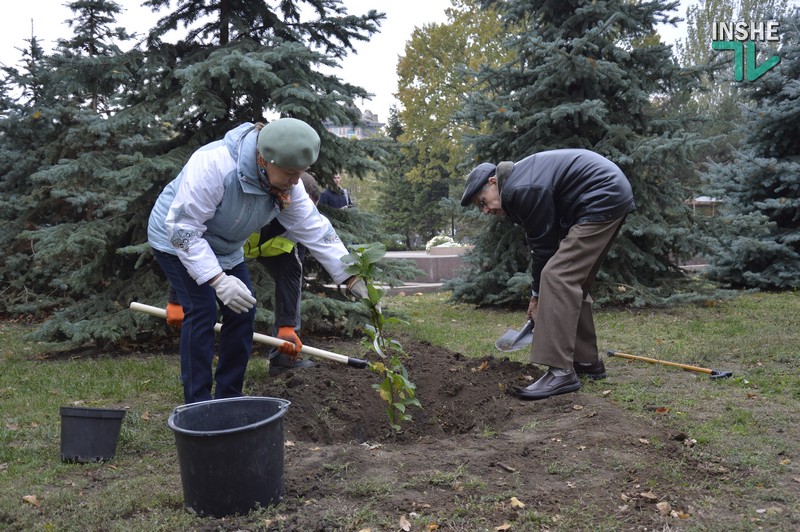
<point x="289" y="143"/>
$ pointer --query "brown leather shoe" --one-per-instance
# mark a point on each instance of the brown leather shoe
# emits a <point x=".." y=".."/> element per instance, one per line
<point x="594" y="371"/>
<point x="549" y="385"/>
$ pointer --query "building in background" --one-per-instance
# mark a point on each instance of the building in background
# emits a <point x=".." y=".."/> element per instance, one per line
<point x="368" y="126"/>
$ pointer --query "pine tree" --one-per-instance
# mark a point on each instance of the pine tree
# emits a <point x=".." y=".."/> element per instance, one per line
<point x="718" y="99"/>
<point x="121" y="124"/>
<point x="759" y="229"/>
<point x="589" y="75"/>
<point x="60" y="180"/>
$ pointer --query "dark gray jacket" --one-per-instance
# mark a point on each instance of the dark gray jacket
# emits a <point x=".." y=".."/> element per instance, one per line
<point x="549" y="192"/>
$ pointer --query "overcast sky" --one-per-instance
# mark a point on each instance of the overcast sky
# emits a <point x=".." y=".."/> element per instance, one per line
<point x="372" y="68"/>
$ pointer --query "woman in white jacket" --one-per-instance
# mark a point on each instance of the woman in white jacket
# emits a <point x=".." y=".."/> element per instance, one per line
<point x="227" y="190"/>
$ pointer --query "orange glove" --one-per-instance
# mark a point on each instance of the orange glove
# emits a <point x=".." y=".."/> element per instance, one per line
<point x="292" y="345"/>
<point x="174" y="315"/>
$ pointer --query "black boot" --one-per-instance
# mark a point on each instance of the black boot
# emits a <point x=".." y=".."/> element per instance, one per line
<point x="279" y="362"/>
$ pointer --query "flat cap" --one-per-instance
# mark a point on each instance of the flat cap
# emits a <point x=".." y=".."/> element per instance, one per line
<point x="476" y="180"/>
<point x="289" y="143"/>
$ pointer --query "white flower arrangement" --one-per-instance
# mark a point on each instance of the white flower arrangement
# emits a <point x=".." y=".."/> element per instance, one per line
<point x="441" y="241"/>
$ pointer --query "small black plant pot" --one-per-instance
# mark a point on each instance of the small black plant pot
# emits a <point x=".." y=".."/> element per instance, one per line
<point x="89" y="434"/>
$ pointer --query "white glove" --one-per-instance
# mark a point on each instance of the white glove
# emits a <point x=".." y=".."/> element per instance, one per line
<point x="233" y="293"/>
<point x="358" y="288"/>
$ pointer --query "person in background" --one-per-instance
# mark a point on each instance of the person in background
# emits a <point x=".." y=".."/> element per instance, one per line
<point x="571" y="204"/>
<point x="197" y="228"/>
<point x="283" y="259"/>
<point x="335" y="196"/>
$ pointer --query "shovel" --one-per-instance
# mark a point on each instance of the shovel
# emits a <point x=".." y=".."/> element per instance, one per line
<point x="514" y="340"/>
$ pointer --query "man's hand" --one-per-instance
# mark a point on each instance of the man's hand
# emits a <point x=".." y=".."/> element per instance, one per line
<point x="174" y="315"/>
<point x="292" y="344"/>
<point x="233" y="293"/>
<point x="533" y="308"/>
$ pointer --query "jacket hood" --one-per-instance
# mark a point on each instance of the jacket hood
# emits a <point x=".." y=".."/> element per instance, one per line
<point x="242" y="146"/>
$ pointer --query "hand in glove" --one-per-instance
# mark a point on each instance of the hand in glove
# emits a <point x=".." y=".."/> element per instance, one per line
<point x="233" y="293"/>
<point x="533" y="308"/>
<point x="292" y="344"/>
<point x="358" y="288"/>
<point x="174" y="315"/>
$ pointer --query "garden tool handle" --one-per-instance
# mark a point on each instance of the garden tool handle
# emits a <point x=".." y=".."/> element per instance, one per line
<point x="713" y="373"/>
<point x="264" y="339"/>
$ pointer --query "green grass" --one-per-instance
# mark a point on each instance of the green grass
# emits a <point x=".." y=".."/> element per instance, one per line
<point x="749" y="423"/>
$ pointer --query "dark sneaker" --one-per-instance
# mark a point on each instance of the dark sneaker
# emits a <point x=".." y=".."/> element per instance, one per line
<point x="594" y="371"/>
<point x="280" y="363"/>
<point x="549" y="385"/>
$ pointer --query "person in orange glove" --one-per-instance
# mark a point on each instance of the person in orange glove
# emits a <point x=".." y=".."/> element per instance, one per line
<point x="283" y="259"/>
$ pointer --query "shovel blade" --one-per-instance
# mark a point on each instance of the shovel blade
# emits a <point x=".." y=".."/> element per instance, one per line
<point x="515" y="340"/>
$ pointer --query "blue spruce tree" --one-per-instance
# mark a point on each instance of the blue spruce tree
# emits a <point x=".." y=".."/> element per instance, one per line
<point x="589" y="75"/>
<point x="759" y="229"/>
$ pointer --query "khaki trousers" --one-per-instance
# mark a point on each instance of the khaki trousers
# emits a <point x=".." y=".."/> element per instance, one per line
<point x="564" y="331"/>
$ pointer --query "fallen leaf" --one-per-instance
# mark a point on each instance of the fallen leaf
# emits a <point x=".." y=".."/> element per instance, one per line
<point x="503" y="527"/>
<point x="679" y="514"/>
<point x="516" y="503"/>
<point x="432" y="526"/>
<point x="622" y="507"/>
<point x="288" y="443"/>
<point x="146" y="416"/>
<point x="404" y="524"/>
<point x="577" y="407"/>
<point x="796" y="479"/>
<point x="644" y="441"/>
<point x="648" y="496"/>
<point x="662" y="410"/>
<point x="786" y="461"/>
<point x="664" y="508"/>
<point x="31" y="499"/>
<point x="606" y="392"/>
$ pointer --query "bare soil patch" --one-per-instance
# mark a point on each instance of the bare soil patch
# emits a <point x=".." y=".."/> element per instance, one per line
<point x="476" y="457"/>
<point x="473" y="447"/>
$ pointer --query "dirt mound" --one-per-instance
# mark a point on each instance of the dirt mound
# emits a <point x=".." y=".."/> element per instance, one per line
<point x="334" y="403"/>
<point x="470" y="449"/>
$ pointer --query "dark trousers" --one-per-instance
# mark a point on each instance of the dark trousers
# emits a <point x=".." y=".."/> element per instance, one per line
<point x="286" y="269"/>
<point x="200" y="305"/>
<point x="564" y="331"/>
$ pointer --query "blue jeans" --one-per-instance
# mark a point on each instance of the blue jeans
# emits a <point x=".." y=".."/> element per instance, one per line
<point x="199" y="304"/>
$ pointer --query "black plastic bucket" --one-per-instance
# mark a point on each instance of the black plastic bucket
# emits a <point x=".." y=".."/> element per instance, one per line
<point x="89" y="434"/>
<point x="230" y="453"/>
